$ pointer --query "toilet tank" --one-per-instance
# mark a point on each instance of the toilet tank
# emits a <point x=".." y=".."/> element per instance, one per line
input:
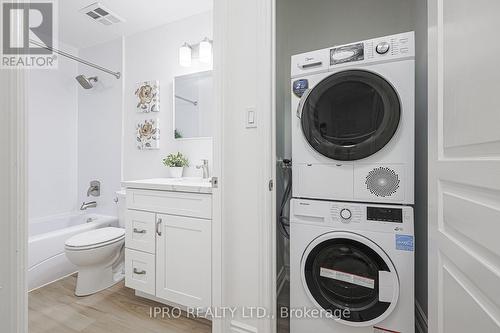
<point x="122" y="207"/>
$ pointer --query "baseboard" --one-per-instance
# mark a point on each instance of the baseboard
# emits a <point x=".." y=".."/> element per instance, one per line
<point x="239" y="327"/>
<point x="58" y="279"/>
<point x="421" y="325"/>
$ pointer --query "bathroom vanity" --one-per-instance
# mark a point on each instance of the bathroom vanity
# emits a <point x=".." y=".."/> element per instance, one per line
<point x="168" y="240"/>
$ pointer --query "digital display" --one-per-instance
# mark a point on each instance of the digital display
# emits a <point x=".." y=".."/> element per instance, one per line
<point x="348" y="53"/>
<point x="384" y="214"/>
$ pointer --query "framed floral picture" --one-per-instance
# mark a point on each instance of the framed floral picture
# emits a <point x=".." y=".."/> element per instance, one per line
<point x="148" y="96"/>
<point x="148" y="134"/>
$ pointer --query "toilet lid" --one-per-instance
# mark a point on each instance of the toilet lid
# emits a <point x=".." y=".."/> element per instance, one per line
<point x="96" y="237"/>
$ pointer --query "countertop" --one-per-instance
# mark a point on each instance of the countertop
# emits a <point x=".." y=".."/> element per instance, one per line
<point x="185" y="184"/>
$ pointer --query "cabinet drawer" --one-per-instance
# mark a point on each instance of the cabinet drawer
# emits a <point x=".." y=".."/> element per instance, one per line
<point x="176" y="203"/>
<point x="140" y="271"/>
<point x="140" y="231"/>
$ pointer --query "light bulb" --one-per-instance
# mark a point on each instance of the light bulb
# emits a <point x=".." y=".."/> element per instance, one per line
<point x="206" y="51"/>
<point x="185" y="55"/>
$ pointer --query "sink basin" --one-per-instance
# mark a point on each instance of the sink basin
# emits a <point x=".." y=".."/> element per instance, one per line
<point x="190" y="180"/>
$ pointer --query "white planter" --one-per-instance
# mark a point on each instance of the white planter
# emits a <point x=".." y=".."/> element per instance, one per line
<point x="176" y="172"/>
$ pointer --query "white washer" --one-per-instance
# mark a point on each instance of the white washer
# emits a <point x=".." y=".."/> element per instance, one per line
<point x="353" y="121"/>
<point x="353" y="261"/>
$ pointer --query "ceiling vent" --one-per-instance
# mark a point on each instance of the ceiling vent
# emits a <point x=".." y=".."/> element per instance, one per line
<point x="101" y="14"/>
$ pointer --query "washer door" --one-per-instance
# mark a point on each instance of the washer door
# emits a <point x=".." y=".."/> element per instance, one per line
<point x="350" y="115"/>
<point x="345" y="271"/>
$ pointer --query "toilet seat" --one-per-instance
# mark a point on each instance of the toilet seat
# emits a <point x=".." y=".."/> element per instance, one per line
<point x="95" y="239"/>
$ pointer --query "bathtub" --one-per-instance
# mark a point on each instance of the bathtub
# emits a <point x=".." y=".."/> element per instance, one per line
<point x="46" y="258"/>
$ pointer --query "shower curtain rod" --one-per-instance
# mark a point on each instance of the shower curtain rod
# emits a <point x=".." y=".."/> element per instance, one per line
<point x="70" y="56"/>
<point x="195" y="103"/>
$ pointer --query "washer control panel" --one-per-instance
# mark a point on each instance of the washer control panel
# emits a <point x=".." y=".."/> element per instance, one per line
<point x="343" y="215"/>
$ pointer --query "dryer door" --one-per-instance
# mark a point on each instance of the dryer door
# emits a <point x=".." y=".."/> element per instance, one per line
<point x="350" y="115"/>
<point x="350" y="276"/>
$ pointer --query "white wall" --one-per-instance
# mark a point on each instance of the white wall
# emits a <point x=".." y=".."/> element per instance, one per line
<point x="100" y="126"/>
<point x="153" y="55"/>
<point x="52" y="138"/>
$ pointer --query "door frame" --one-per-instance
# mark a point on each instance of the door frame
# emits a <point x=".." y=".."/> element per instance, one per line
<point x="267" y="296"/>
<point x="17" y="217"/>
<point x="17" y="207"/>
<point x="219" y="32"/>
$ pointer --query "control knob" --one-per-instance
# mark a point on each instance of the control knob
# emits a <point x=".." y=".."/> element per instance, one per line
<point x="382" y="48"/>
<point x="345" y="214"/>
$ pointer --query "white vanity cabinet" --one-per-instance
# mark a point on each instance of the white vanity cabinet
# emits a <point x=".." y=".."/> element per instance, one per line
<point x="168" y="244"/>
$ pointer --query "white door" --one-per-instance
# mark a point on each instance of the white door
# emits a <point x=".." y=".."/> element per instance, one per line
<point x="464" y="166"/>
<point x="183" y="260"/>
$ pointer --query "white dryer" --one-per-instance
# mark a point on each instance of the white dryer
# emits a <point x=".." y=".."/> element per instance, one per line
<point x="353" y="265"/>
<point x="353" y="121"/>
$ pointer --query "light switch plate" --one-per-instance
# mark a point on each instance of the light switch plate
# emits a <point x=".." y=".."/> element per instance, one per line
<point x="250" y="117"/>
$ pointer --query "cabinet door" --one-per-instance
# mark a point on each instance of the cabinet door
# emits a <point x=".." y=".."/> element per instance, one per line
<point x="183" y="261"/>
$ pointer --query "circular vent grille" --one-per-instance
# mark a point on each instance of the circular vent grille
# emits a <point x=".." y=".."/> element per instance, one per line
<point x="382" y="182"/>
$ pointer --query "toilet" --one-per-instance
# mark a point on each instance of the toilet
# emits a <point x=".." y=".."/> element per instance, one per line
<point x="99" y="255"/>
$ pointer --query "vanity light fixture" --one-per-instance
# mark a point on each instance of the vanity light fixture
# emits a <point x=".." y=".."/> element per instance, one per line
<point x="206" y="51"/>
<point x="203" y="50"/>
<point x="185" y="55"/>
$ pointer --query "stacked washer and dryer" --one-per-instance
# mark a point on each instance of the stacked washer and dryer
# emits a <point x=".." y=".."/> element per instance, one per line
<point x="351" y="225"/>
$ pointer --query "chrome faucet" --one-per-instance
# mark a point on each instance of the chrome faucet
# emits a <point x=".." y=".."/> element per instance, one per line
<point x="204" y="167"/>
<point x="91" y="204"/>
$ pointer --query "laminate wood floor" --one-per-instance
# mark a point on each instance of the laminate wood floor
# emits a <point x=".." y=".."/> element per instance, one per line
<point x="55" y="309"/>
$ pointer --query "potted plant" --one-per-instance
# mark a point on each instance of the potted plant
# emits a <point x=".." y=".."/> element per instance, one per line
<point x="176" y="164"/>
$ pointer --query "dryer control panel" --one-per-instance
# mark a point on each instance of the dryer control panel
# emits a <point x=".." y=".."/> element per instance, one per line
<point x="399" y="46"/>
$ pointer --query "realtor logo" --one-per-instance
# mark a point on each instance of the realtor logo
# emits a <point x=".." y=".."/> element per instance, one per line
<point x="28" y="33"/>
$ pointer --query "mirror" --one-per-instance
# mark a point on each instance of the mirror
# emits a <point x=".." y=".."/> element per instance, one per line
<point x="193" y="104"/>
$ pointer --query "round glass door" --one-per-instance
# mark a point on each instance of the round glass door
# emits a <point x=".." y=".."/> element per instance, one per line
<point x="343" y="273"/>
<point x="350" y="115"/>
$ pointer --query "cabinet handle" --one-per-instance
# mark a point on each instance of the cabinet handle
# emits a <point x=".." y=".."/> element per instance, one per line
<point x="137" y="231"/>
<point x="138" y="272"/>
<point x="158" y="225"/>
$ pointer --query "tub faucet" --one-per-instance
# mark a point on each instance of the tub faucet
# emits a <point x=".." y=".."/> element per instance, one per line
<point x="91" y="204"/>
<point x="204" y="167"/>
